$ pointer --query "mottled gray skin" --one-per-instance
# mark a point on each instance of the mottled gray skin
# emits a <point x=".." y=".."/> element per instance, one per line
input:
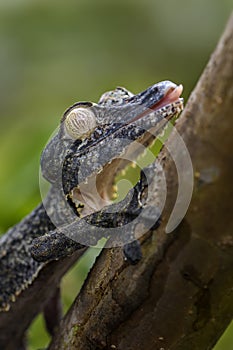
<point x="29" y="245"/>
<point x="127" y="210"/>
<point x="75" y="161"/>
<point x="17" y="267"/>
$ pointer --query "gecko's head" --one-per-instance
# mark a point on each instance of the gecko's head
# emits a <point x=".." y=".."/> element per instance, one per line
<point x="119" y="108"/>
<point x="101" y="139"/>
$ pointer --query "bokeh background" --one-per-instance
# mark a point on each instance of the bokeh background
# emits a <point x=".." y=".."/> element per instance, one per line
<point x="53" y="53"/>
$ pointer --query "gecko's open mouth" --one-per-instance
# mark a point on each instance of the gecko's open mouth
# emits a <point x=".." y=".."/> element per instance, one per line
<point x="143" y="121"/>
<point x="171" y="98"/>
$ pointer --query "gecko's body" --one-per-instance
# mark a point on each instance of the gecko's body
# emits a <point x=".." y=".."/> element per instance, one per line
<point x="89" y="145"/>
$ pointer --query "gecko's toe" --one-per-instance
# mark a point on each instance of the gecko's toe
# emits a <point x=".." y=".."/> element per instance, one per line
<point x="133" y="252"/>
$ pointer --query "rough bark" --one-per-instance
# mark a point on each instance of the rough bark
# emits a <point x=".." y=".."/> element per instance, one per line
<point x="180" y="295"/>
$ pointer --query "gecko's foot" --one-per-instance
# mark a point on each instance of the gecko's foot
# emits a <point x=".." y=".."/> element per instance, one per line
<point x="133" y="252"/>
<point x="151" y="220"/>
<point x="53" y="246"/>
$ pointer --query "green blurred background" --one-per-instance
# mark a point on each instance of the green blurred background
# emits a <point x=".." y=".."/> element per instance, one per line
<point x="58" y="52"/>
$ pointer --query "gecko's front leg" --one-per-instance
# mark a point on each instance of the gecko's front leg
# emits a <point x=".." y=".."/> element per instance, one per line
<point x="126" y="215"/>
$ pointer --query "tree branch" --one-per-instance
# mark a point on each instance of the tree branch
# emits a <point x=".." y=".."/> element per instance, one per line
<point x="179" y="295"/>
<point x="15" y="322"/>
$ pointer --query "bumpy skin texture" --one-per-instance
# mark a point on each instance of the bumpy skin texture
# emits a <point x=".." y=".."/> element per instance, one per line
<point x="17" y="267"/>
<point x="39" y="238"/>
<point x="117" y="127"/>
<point x="57" y="245"/>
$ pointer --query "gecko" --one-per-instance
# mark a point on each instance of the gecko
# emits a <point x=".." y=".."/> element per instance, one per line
<point x="94" y="142"/>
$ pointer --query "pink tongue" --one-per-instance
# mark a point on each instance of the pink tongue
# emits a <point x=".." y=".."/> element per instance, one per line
<point x="170" y="97"/>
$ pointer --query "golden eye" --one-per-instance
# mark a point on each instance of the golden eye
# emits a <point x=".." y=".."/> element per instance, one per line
<point x="80" y="123"/>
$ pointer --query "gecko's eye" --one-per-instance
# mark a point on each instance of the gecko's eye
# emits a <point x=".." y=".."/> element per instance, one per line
<point x="80" y="123"/>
